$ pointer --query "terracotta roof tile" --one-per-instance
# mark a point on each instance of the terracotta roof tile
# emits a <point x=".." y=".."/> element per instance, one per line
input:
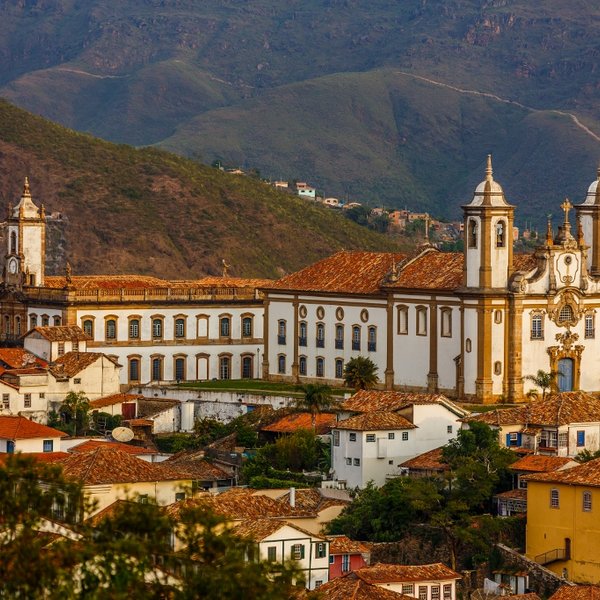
<point x="314" y="499"/>
<point x="586" y="474"/>
<point x="20" y="428"/>
<point x="428" y="461"/>
<point x="108" y="465"/>
<point x="150" y="407"/>
<point x="296" y="421"/>
<point x="391" y="401"/>
<point x="259" y="529"/>
<point x="518" y="494"/>
<point x="528" y="596"/>
<point x="72" y="363"/>
<point x="431" y="269"/>
<point x="374" y="421"/>
<point x="16" y="358"/>
<point x="577" y="592"/>
<point x="91" y="445"/>
<point x="340" y="544"/>
<point x="345" y="272"/>
<point x="46" y="457"/>
<point x="61" y="333"/>
<point x="385" y="573"/>
<point x="556" y="409"/>
<point x="196" y="468"/>
<point x="351" y="587"/>
<point x="114" y="399"/>
<point x="536" y="463"/>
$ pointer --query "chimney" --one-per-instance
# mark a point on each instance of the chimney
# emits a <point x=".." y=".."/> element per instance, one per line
<point x="293" y="497"/>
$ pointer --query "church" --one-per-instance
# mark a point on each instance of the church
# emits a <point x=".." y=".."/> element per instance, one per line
<point x="471" y="325"/>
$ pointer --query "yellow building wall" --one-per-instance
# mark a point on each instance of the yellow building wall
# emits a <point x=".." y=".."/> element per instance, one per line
<point x="548" y="528"/>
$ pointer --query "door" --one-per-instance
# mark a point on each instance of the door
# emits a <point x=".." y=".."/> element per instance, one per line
<point x="565" y="375"/>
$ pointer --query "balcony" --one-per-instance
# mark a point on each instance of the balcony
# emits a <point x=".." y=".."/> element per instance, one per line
<point x="339" y="344"/>
<point x="320" y="343"/>
<point x="301" y="341"/>
<point x="372" y="346"/>
<point x="281" y="340"/>
<point x="355" y="345"/>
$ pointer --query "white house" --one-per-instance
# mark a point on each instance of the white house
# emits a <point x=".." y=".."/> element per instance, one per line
<point x="53" y="342"/>
<point x="18" y="434"/>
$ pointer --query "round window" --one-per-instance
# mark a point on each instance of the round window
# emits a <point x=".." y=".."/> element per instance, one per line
<point x="364" y="315"/>
<point x="339" y="313"/>
<point x="320" y="312"/>
<point x="302" y="312"/>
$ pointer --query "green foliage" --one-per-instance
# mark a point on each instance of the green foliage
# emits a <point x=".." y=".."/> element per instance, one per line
<point x="360" y="373"/>
<point x="75" y="413"/>
<point x="545" y="380"/>
<point x="103" y="421"/>
<point x="359" y="214"/>
<point x="587" y="455"/>
<point x="317" y="399"/>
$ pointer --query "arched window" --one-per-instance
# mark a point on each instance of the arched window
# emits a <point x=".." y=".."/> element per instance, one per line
<point x="180" y="368"/>
<point x="7" y="328"/>
<point x="590" y="329"/>
<point x="320" y="366"/>
<point x="537" y="327"/>
<point x="157" y="364"/>
<point x="247" y="327"/>
<point x="500" y="234"/>
<point x="13" y="242"/>
<point x="225" y="327"/>
<point x="247" y="367"/>
<point x="179" y="328"/>
<point x="281" y="331"/>
<point x="356" y="337"/>
<point x="587" y="501"/>
<point x="421" y="320"/>
<point x="134" y="329"/>
<point x="302" y="333"/>
<point x="320" y="335"/>
<point x="134" y="369"/>
<point x="111" y="329"/>
<point x="302" y="365"/>
<point x="32" y="321"/>
<point x="157" y="327"/>
<point x="281" y="364"/>
<point x="339" y="368"/>
<point x="403" y="320"/>
<point x="446" y="318"/>
<point x="224" y="367"/>
<point x="566" y="313"/>
<point x="45" y="320"/>
<point x="372" y="339"/>
<point x="472" y="233"/>
<point x="18" y="325"/>
<point x="339" y="337"/>
<point x="554" y="498"/>
<point x="56" y="321"/>
<point x="88" y="327"/>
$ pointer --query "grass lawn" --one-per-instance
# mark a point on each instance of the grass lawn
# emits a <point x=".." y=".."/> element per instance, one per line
<point x="253" y="385"/>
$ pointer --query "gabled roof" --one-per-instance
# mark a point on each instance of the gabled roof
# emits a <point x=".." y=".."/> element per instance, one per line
<point x="91" y="445"/>
<point x="375" y="421"/>
<point x="340" y="544"/>
<point x="345" y="272"/>
<point x="352" y="587"/>
<point x="385" y="573"/>
<point x="586" y="474"/>
<point x="517" y="494"/>
<point x="115" y="399"/>
<point x="303" y="420"/>
<point x="72" y="363"/>
<point x="109" y="465"/>
<point x="196" y="467"/>
<point x="537" y="463"/>
<point x="259" y="529"/>
<point x="17" y="358"/>
<point x="428" y="461"/>
<point x="554" y="410"/>
<point x="20" y="428"/>
<point x="61" y="333"/>
<point x="577" y="592"/>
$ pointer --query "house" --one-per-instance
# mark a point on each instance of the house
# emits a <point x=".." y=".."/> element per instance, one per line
<point x="346" y="555"/>
<point x="301" y="420"/>
<point x="109" y="474"/>
<point x="426" y="582"/>
<point x="18" y="434"/>
<point x="51" y="342"/>
<point x="428" y="464"/>
<point x="280" y="541"/>
<point x="123" y="404"/>
<point x="561" y="424"/>
<point x="563" y="528"/>
<point x="352" y="586"/>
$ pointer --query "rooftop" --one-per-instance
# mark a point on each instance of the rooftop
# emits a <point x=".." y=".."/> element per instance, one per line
<point x="259" y="529"/>
<point x="303" y="420"/>
<point x="577" y="592"/>
<point x="17" y="358"/>
<point x="20" y="428"/>
<point x="61" y="333"/>
<point x="536" y="463"/>
<point x="352" y="587"/>
<point x="91" y="445"/>
<point x="586" y="474"/>
<point x="316" y="499"/>
<point x="340" y="544"/>
<point x="196" y="467"/>
<point x="115" y="399"/>
<point x="375" y="421"/>
<point x="385" y="573"/>
<point x="72" y="363"/>
<point x="428" y="461"/>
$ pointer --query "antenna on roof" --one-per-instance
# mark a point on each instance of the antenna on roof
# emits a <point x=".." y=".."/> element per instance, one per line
<point x="122" y="434"/>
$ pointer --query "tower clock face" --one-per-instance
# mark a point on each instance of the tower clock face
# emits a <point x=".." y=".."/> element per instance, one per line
<point x="12" y="266"/>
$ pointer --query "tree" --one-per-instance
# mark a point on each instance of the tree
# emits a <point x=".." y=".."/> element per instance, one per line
<point x="360" y="373"/>
<point x="545" y="380"/>
<point x="74" y="412"/>
<point x="359" y="214"/>
<point x="317" y="398"/>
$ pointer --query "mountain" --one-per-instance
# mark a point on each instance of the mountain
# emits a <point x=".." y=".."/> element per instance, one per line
<point x="186" y="74"/>
<point x="120" y="210"/>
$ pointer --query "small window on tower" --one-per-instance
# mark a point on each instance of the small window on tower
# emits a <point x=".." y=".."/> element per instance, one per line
<point x="500" y="234"/>
<point x="472" y="233"/>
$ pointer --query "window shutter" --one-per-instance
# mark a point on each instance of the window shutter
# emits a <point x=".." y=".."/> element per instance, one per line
<point x="508" y="439"/>
<point x="581" y="438"/>
<point x="302" y="551"/>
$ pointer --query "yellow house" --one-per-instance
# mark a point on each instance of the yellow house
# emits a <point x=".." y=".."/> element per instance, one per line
<point x="563" y="524"/>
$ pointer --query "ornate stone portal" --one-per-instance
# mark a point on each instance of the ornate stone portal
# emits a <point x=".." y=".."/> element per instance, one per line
<point x="567" y="348"/>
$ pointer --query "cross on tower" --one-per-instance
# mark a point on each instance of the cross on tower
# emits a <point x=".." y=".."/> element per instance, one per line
<point x="566" y="206"/>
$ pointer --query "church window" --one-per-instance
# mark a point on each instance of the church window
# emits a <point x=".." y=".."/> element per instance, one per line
<point x="134" y="329"/>
<point x="157" y="367"/>
<point x="111" y="329"/>
<point x="32" y="279"/>
<point x="320" y="366"/>
<point x="225" y="327"/>
<point x="472" y="233"/>
<point x="446" y="318"/>
<point x="500" y="234"/>
<point x="179" y="328"/>
<point x="56" y="321"/>
<point x="339" y="337"/>
<point x="537" y="327"/>
<point x="32" y="321"/>
<point x="134" y="369"/>
<point x="356" y="337"/>
<point x="281" y="331"/>
<point x="247" y="367"/>
<point x="497" y="368"/>
<point x="225" y="367"/>
<point x="45" y="320"/>
<point x="88" y="327"/>
<point x="13" y="242"/>
<point x="372" y="339"/>
<point x="403" y="320"/>
<point x="339" y="368"/>
<point x="590" y="330"/>
<point x="587" y="501"/>
<point x="554" y="498"/>
<point x="247" y="327"/>
<point x="421" y="320"/>
<point x="180" y="368"/>
<point x="565" y="314"/>
<point x="18" y="325"/>
<point x="281" y="364"/>
<point x="7" y="329"/>
<point x="302" y="333"/>
<point x="320" y="335"/>
<point x="498" y="316"/>
<point x="157" y="328"/>
<point x="302" y="365"/>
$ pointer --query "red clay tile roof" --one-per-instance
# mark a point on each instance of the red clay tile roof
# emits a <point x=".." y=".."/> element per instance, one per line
<point x="351" y="587"/>
<point x="391" y="401"/>
<point x="428" y="461"/>
<point x="528" y="596"/>
<point x="20" y="428"/>
<point x="108" y="465"/>
<point x="375" y="421"/>
<point x="46" y="457"/>
<point x="344" y="272"/>
<point x="340" y="544"/>
<point x="115" y="399"/>
<point x="586" y="474"/>
<point x="196" y="468"/>
<point x="315" y="499"/>
<point x="61" y="333"/>
<point x="536" y="463"/>
<point x="259" y="529"/>
<point x="72" y="363"/>
<point x="91" y="445"/>
<point x="140" y="422"/>
<point x="303" y="420"/>
<point x="518" y="494"/>
<point x="384" y="573"/>
<point x="16" y="358"/>
<point x="577" y="592"/>
<point x="556" y="409"/>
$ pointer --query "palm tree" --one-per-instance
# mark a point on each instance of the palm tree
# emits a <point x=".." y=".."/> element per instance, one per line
<point x="360" y="373"/>
<point x="545" y="380"/>
<point x="317" y="398"/>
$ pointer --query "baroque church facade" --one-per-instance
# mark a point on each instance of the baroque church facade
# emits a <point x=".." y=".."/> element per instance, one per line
<point x="472" y="325"/>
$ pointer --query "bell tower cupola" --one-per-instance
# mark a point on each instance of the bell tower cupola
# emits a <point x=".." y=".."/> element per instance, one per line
<point x="588" y="214"/>
<point x="488" y="241"/>
<point x="25" y="242"/>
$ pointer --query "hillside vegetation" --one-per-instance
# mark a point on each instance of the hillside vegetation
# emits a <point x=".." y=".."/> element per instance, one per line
<point x="150" y="212"/>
